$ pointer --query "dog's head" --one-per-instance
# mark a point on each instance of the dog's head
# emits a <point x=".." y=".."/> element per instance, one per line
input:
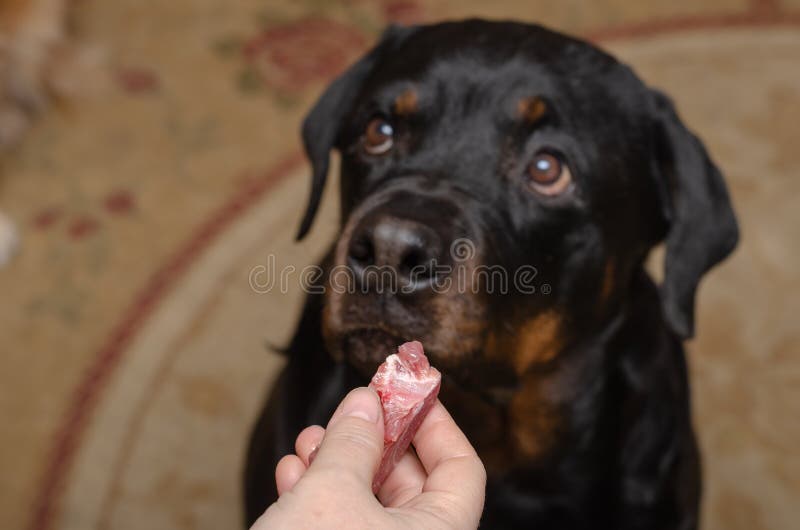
<point x="501" y="184"/>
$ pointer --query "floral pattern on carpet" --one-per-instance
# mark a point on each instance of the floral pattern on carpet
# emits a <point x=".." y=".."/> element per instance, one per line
<point x="134" y="352"/>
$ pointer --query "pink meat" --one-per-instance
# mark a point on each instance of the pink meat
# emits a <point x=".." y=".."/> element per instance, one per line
<point x="407" y="385"/>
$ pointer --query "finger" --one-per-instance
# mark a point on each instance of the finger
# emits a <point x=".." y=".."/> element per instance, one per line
<point x="307" y="442"/>
<point x="353" y="440"/>
<point x="439" y="439"/>
<point x="288" y="471"/>
<point x="452" y="464"/>
<point x="404" y="482"/>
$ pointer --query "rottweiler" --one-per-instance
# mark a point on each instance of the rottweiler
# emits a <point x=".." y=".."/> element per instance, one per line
<point x="477" y="150"/>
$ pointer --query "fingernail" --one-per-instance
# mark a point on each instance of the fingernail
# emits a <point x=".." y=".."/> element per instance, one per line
<point x="361" y="403"/>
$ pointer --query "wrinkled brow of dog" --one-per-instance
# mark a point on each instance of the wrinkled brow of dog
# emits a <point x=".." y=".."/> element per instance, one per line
<point x="530" y="109"/>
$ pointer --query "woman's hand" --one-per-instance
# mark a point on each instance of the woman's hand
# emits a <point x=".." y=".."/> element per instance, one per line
<point x="442" y="486"/>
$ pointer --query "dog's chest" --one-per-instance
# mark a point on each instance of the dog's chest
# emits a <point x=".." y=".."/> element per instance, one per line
<point x="519" y="430"/>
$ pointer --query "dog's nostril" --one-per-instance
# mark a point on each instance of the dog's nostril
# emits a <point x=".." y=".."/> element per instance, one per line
<point x="416" y="263"/>
<point x="412" y="259"/>
<point x="361" y="251"/>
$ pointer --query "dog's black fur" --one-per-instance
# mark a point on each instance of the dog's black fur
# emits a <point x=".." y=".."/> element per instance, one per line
<point x="577" y="400"/>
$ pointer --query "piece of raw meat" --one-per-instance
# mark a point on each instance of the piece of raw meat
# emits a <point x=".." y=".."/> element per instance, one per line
<point x="407" y="385"/>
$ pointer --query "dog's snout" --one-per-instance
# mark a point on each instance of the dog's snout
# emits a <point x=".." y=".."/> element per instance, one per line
<point x="407" y="249"/>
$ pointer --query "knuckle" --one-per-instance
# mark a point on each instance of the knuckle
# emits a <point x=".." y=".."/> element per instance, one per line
<point x="356" y="426"/>
<point x="356" y="434"/>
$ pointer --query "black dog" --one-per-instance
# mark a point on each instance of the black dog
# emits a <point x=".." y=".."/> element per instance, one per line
<point x="528" y="148"/>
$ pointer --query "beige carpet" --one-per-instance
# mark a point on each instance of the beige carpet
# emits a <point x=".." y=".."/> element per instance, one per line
<point x="132" y="346"/>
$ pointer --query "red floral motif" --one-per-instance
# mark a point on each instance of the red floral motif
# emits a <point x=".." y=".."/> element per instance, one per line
<point x="82" y="227"/>
<point x="293" y="56"/>
<point x="47" y="217"/>
<point x="403" y="11"/>
<point x="137" y="80"/>
<point x="119" y="202"/>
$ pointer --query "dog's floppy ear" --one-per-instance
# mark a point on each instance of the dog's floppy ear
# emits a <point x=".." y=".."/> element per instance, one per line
<point x="322" y="125"/>
<point x="702" y="227"/>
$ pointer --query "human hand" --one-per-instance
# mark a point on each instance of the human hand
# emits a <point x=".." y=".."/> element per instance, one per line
<point x="441" y="487"/>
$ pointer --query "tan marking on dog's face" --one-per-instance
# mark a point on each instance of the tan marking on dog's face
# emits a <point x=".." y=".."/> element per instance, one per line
<point x="531" y="109"/>
<point x="458" y="324"/>
<point x="333" y="298"/>
<point x="407" y="102"/>
<point x="537" y="341"/>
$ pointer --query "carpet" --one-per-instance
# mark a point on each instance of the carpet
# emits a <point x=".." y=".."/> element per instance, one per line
<point x="135" y="342"/>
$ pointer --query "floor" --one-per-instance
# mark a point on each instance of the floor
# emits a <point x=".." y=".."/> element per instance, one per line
<point x="135" y="343"/>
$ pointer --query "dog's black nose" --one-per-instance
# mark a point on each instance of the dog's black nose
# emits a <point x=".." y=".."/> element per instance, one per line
<point x="386" y="248"/>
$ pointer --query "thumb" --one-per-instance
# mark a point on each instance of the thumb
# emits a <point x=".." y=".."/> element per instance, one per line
<point x="353" y="442"/>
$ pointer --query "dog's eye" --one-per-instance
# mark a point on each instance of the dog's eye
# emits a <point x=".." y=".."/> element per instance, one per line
<point x="548" y="174"/>
<point x="379" y="136"/>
